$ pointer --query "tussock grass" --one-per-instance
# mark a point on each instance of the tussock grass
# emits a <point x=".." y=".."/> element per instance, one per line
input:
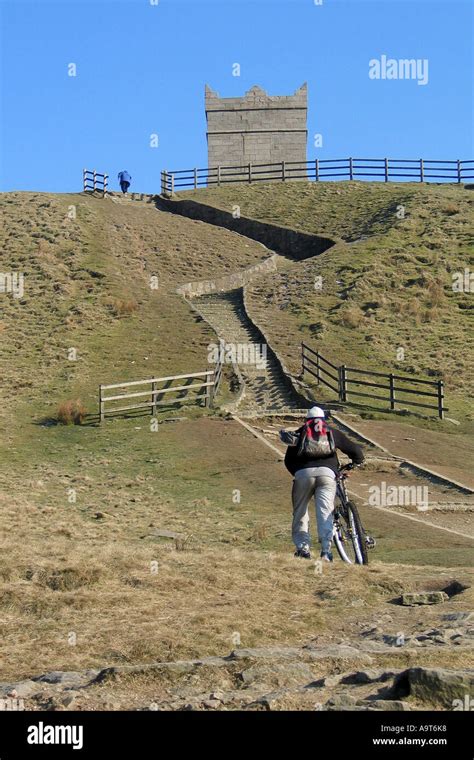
<point x="71" y="412"/>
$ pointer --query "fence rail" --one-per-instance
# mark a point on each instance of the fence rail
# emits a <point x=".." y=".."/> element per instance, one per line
<point x="320" y="170"/>
<point x="200" y="389"/>
<point x="94" y="181"/>
<point x="218" y="371"/>
<point x="342" y="380"/>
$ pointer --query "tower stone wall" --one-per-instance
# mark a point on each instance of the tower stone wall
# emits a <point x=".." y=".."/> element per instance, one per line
<point x="256" y="128"/>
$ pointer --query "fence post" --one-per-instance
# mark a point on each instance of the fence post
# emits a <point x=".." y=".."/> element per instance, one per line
<point x="172" y="184"/>
<point x="153" y="398"/>
<point x="317" y="367"/>
<point x="316" y="169"/>
<point x="342" y="383"/>
<point x="94" y="179"/>
<point x="302" y="360"/>
<point x="459" y="171"/>
<point x="440" y="399"/>
<point x="351" y="172"/>
<point x="283" y="174"/>
<point x="218" y="176"/>
<point x="195" y="178"/>
<point x="207" y="400"/>
<point x="386" y="170"/>
<point x="250" y="172"/>
<point x="106" y="177"/>
<point x="101" y="405"/>
<point x="392" y="391"/>
<point x="84" y="179"/>
<point x="422" y="170"/>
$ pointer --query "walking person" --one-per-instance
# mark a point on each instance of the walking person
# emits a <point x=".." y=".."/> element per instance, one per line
<point x="311" y="458"/>
<point x="124" y="178"/>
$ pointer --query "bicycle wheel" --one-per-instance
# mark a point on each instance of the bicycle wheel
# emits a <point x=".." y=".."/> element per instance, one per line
<point x="349" y="535"/>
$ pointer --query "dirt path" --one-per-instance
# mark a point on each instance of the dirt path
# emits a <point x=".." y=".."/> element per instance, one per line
<point x="451" y="455"/>
<point x="439" y="513"/>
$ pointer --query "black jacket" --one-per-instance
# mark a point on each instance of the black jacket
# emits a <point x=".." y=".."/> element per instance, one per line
<point x="293" y="462"/>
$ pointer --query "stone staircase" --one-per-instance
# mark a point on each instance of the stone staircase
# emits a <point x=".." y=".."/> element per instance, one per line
<point x="266" y="387"/>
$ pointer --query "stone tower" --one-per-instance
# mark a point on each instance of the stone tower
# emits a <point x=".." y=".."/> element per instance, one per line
<point x="256" y="129"/>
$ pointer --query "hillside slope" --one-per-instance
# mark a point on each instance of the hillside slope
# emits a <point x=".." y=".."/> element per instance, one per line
<point x="127" y="544"/>
<point x="87" y="286"/>
<point x="388" y="286"/>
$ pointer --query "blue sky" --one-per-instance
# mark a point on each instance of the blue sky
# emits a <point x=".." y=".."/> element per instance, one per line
<point x="141" y="70"/>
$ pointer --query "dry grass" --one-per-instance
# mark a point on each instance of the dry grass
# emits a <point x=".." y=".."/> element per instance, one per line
<point x="82" y="591"/>
<point x="71" y="412"/>
<point x="122" y="307"/>
<point x="130" y="596"/>
<point x="351" y="316"/>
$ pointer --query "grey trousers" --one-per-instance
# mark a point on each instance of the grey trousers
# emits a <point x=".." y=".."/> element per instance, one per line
<point x="319" y="482"/>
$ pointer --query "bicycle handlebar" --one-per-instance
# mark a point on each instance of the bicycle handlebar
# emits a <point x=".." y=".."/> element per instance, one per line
<point x="349" y="466"/>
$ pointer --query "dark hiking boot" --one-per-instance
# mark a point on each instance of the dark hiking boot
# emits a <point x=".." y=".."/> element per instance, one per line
<point x="303" y="552"/>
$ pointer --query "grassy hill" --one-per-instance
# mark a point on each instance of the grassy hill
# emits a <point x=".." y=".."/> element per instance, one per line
<point x="386" y="286"/>
<point x="87" y="287"/>
<point x="131" y="538"/>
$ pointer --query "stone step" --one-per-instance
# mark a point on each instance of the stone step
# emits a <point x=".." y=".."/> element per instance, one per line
<point x="264" y="387"/>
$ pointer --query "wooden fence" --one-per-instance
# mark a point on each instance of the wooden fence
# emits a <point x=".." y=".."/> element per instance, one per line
<point x="345" y="381"/>
<point x="205" y="388"/>
<point x="318" y="170"/>
<point x="94" y="181"/>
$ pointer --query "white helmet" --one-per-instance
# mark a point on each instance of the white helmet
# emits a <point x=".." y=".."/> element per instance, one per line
<point x="315" y="411"/>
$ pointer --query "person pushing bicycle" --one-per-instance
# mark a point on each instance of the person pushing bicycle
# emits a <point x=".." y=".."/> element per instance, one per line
<point x="311" y="457"/>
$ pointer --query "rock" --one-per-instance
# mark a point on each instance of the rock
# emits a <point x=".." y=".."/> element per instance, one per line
<point x="459" y="616"/>
<point x="166" y="533"/>
<point x="437" y="686"/>
<point x="368" y="676"/>
<point x="276" y="653"/>
<point x="171" y="669"/>
<point x="340" y="701"/>
<point x="387" y="704"/>
<point x="371" y="631"/>
<point x="277" y="674"/>
<point x="326" y="682"/>
<point x="67" y="678"/>
<point x="60" y="702"/>
<point x="268" y="701"/>
<point x="341" y="652"/>
<point x="212" y="703"/>
<point x="424" y="597"/>
<point x="395" y="640"/>
<point x="19" y="690"/>
<point x="68" y="700"/>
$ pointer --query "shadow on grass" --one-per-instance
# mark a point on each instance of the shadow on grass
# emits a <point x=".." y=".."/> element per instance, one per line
<point x="93" y="420"/>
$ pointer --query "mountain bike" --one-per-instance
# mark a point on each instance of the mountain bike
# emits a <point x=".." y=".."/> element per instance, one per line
<point x="352" y="542"/>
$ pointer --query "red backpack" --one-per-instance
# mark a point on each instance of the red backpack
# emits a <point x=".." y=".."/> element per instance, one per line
<point x="316" y="440"/>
